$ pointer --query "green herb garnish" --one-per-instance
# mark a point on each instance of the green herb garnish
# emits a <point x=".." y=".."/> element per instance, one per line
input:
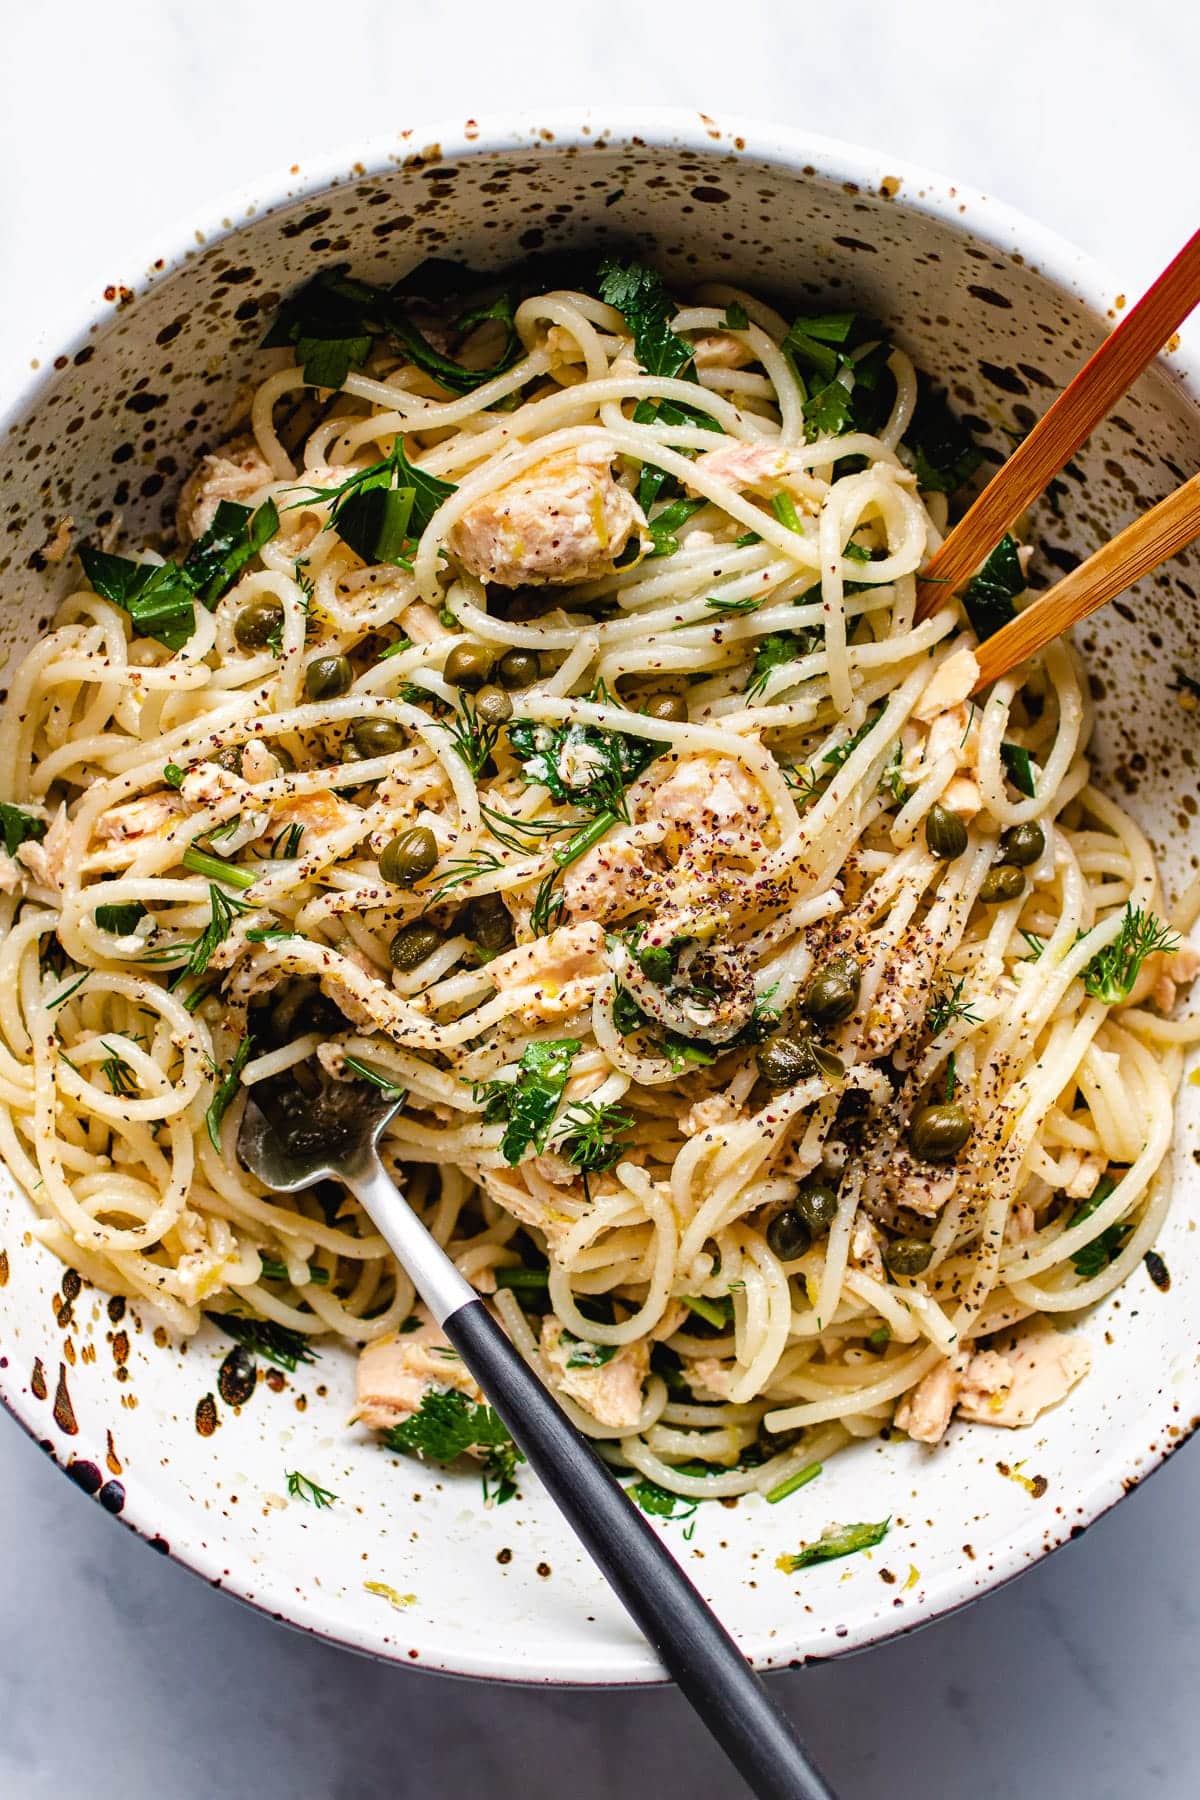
<point x="447" y="1425"/>
<point x="19" y="827"/>
<point x="1096" y="1256"/>
<point x="218" y="556"/>
<point x="120" y="920"/>
<point x="262" y="1337"/>
<point x="300" y="1487"/>
<point x="839" y="1540"/>
<point x="378" y="1078"/>
<point x="1112" y="972"/>
<point x="226" y="1088"/>
<point x="1018" y="765"/>
<point x="527" y="1104"/>
<point x="800" y="1479"/>
<point x="988" y="596"/>
<point x="157" y="596"/>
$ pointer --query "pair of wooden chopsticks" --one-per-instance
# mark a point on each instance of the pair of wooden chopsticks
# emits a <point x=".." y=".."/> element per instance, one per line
<point x="1142" y="546"/>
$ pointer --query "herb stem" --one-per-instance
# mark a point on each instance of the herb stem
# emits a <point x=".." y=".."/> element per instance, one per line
<point x="800" y="1479"/>
<point x="216" y="868"/>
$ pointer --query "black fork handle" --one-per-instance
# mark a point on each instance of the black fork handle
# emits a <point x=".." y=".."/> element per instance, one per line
<point x="695" y="1648"/>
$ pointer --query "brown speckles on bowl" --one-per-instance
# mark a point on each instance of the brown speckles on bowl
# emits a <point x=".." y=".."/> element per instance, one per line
<point x="1003" y="317"/>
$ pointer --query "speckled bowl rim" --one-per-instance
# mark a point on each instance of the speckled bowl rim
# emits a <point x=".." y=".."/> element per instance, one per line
<point x="799" y="154"/>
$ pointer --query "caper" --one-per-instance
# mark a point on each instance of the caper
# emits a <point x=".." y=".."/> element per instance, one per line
<point x="785" y="1061"/>
<point x="377" y="737"/>
<point x="409" y="857"/>
<point x="788" y="1236"/>
<point x="411" y="945"/>
<point x="656" y="963"/>
<point x="284" y="758"/>
<point x="817" y="1204"/>
<point x="229" y="758"/>
<point x="832" y="993"/>
<point x="945" y="833"/>
<point x="1023" y="844"/>
<point x="493" y="705"/>
<point x="1004" y="882"/>
<point x="328" y="676"/>
<point x="908" y="1255"/>
<point x="467" y="666"/>
<point x="938" y="1132"/>
<point x="257" y="622"/>
<point x="672" y="708"/>
<point x="488" y="923"/>
<point x="519" y="668"/>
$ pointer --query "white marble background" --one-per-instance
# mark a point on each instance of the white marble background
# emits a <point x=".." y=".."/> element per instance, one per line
<point x="119" y="1673"/>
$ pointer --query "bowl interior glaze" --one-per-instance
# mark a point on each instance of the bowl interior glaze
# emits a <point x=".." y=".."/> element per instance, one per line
<point x="409" y="1564"/>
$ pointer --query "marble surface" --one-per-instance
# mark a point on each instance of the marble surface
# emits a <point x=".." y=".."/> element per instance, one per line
<point x="122" y="1674"/>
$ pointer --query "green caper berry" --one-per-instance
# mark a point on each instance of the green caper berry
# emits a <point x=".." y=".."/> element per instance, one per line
<point x="908" y="1255"/>
<point x="788" y="1237"/>
<point x="284" y="758"/>
<point x="671" y="708"/>
<point x="409" y="857"/>
<point x="832" y="993"/>
<point x="326" y="677"/>
<point x="1023" y="844"/>
<point x="1004" y="882"/>
<point x="488" y="923"/>
<point x="519" y="668"/>
<point x="785" y="1061"/>
<point x="493" y="706"/>
<point x="377" y="737"/>
<point x="817" y="1204"/>
<point x="411" y="945"/>
<point x="656" y="963"/>
<point x="257" y="622"/>
<point x="938" y="1132"/>
<point x="467" y="666"/>
<point x="230" y="758"/>
<point x="945" y="833"/>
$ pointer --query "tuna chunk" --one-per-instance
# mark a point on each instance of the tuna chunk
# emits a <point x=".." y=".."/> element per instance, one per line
<point x="612" y="1392"/>
<point x="608" y="882"/>
<point x="764" y="469"/>
<point x="563" y="520"/>
<point x="1037" y="1368"/>
<point x="924" y="1412"/>
<point x="395" y="1373"/>
<point x="237" y="473"/>
<point x="709" y="793"/>
<point x="137" y="819"/>
<point x="559" y="969"/>
<point x="948" y="687"/>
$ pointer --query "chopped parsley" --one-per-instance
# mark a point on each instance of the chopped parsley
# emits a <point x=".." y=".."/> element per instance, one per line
<point x="586" y="1355"/>
<point x="262" y="1337"/>
<point x="1018" y="766"/>
<point x="660" y="1502"/>
<point x="839" y="1540"/>
<point x="943" y="451"/>
<point x="19" y="827"/>
<point x="120" y="920"/>
<point x="444" y="370"/>
<point x="667" y="522"/>
<point x="736" y="318"/>
<point x="773" y="652"/>
<point x="447" y="1425"/>
<point x="381" y="511"/>
<point x="838" y="360"/>
<point x="1095" y="1257"/>
<point x="581" y="765"/>
<point x="527" y="1104"/>
<point x="988" y="596"/>
<point x="1112" y="972"/>
<point x="218" y="556"/>
<point x="638" y="293"/>
<point x="226" y="1088"/>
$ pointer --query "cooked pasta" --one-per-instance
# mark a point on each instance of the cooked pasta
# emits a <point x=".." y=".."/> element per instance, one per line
<point x="531" y="717"/>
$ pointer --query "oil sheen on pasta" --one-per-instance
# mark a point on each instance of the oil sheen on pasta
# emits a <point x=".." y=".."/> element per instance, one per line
<point x="688" y="973"/>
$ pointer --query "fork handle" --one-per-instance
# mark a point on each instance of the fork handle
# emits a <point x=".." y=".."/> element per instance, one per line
<point x="695" y="1648"/>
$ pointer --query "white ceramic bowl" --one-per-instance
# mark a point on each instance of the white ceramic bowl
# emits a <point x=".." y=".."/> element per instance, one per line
<point x="1004" y="313"/>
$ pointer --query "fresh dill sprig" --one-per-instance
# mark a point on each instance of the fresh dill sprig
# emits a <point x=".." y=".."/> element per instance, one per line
<point x="461" y="869"/>
<point x="473" y="738"/>
<point x="224" y="908"/>
<point x="520" y="835"/>
<point x="118" y="1073"/>
<point x="948" y="1006"/>
<point x="301" y="1487"/>
<point x="262" y="1337"/>
<point x="1112" y="972"/>
<point x="590" y="1136"/>
<point x="727" y="609"/>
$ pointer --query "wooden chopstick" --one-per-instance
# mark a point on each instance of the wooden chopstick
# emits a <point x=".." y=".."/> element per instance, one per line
<point x="1150" y="540"/>
<point x="1057" y="436"/>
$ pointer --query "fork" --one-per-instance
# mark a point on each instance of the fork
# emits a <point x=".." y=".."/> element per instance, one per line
<point x="295" y="1139"/>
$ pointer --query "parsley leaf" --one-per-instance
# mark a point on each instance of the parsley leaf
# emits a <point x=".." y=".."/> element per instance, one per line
<point x="219" y="554"/>
<point x="1018" y="766"/>
<point x="326" y="323"/>
<point x="773" y="651"/>
<point x="446" y="1425"/>
<point x="839" y="1540"/>
<point x="227" y="1087"/>
<point x="666" y="523"/>
<point x="120" y="920"/>
<point x="988" y="596"/>
<point x="581" y="765"/>
<point x="157" y="597"/>
<point x="1096" y="1256"/>
<point x="944" y="452"/>
<point x="19" y="827"/>
<point x="1112" y="972"/>
<point x="736" y="317"/>
<point x="380" y="511"/>
<point x="845" y="357"/>
<point x="640" y="296"/>
<point x="660" y="1502"/>
<point x="444" y="370"/>
<point x="527" y="1104"/>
